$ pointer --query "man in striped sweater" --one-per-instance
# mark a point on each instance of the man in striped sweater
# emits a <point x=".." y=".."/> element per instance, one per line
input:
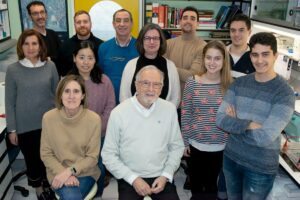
<point x="254" y="111"/>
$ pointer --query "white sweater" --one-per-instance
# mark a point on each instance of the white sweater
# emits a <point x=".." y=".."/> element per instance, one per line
<point x="139" y="146"/>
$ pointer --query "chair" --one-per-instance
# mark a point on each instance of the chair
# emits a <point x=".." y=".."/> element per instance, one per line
<point x="90" y="195"/>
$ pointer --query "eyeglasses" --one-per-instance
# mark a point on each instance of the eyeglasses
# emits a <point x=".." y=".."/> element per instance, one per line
<point x="35" y="14"/>
<point x="124" y="20"/>
<point x="154" y="39"/>
<point x="147" y="84"/>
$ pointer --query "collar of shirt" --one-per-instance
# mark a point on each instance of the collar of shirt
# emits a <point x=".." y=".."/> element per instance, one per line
<point x="140" y="108"/>
<point x="235" y="57"/>
<point x="125" y="45"/>
<point x="229" y="46"/>
<point x="28" y="63"/>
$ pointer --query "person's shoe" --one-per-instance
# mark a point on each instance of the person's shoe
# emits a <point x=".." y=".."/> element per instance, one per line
<point x="187" y="185"/>
<point x="106" y="180"/>
<point x="49" y="193"/>
<point x="43" y="196"/>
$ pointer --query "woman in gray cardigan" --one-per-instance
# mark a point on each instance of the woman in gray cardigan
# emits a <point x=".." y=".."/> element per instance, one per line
<point x="30" y="85"/>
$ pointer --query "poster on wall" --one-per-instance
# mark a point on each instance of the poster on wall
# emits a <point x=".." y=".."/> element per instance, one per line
<point x="101" y="12"/>
<point x="57" y="16"/>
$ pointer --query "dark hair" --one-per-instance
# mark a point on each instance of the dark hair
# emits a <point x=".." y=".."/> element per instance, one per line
<point x="264" y="38"/>
<point x="62" y="85"/>
<point x="96" y="73"/>
<point x="123" y="10"/>
<point x="81" y="12"/>
<point x="35" y="3"/>
<point x="27" y="33"/>
<point x="190" y="8"/>
<point x="241" y="17"/>
<point x="140" y="40"/>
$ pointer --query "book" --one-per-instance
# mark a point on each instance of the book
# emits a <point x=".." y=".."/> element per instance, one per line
<point x="161" y="16"/>
<point x="234" y="9"/>
<point x="220" y="13"/>
<point x="169" y="19"/>
<point x="166" y="16"/>
<point x="223" y="17"/>
<point x="155" y="13"/>
<point x="205" y="14"/>
<point x="148" y="18"/>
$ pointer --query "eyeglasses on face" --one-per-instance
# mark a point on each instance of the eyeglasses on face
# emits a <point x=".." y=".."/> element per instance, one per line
<point x="154" y="39"/>
<point x="42" y="13"/>
<point x="147" y="84"/>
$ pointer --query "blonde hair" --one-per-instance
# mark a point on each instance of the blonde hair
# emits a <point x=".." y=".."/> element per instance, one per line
<point x="226" y="78"/>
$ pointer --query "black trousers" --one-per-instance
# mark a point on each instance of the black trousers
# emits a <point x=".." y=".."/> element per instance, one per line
<point x="30" y="143"/>
<point x="127" y="192"/>
<point x="204" y="168"/>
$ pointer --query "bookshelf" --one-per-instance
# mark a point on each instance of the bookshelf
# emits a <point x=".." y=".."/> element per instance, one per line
<point x="208" y="10"/>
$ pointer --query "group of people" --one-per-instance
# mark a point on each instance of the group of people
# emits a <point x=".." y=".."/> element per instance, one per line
<point x="174" y="98"/>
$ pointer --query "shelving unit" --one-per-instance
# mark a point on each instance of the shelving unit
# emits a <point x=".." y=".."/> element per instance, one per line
<point x="283" y="13"/>
<point x="201" y="5"/>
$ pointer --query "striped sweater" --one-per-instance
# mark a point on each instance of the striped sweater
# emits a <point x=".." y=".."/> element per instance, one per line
<point x="198" y="116"/>
<point x="269" y="103"/>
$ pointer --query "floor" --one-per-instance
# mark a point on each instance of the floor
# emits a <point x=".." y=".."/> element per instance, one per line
<point x="110" y="192"/>
<point x="284" y="188"/>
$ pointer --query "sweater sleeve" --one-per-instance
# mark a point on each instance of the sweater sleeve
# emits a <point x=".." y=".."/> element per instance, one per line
<point x="111" y="151"/>
<point x="186" y="111"/>
<point x="46" y="150"/>
<point x="92" y="150"/>
<point x="174" y="91"/>
<point x="230" y="124"/>
<point x="10" y="100"/>
<point x="55" y="78"/>
<point x="278" y="117"/>
<point x="175" y="147"/>
<point x="110" y="103"/>
<point x="196" y="64"/>
<point x="127" y="78"/>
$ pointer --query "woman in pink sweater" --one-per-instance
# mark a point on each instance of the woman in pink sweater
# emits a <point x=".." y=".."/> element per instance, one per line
<point x="100" y="91"/>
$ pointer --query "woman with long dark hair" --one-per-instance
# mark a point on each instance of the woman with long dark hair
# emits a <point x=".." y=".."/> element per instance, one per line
<point x="100" y="92"/>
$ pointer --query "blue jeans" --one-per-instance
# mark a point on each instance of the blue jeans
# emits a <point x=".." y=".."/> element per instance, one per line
<point x="100" y="182"/>
<point x="245" y="184"/>
<point x="76" y="192"/>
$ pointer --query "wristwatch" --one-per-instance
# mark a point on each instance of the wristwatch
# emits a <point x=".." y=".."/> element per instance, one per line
<point x="73" y="171"/>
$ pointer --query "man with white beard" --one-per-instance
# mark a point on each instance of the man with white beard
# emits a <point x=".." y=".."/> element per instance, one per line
<point x="143" y="144"/>
<point x="83" y="25"/>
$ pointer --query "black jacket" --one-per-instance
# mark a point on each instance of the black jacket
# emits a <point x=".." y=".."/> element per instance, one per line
<point x="243" y="65"/>
<point x="64" y="61"/>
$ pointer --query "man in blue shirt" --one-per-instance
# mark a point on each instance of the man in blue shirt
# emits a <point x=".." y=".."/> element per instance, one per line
<point x="114" y="54"/>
